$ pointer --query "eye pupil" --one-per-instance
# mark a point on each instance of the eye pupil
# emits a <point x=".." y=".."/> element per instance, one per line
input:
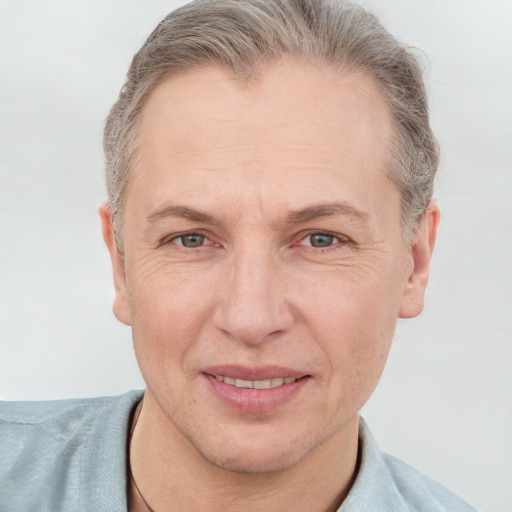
<point x="322" y="240"/>
<point x="192" y="240"/>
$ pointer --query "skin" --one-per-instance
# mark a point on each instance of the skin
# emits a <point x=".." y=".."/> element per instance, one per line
<point x="262" y="162"/>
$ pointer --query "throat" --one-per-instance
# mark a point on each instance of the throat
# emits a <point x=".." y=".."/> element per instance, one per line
<point x="166" y="474"/>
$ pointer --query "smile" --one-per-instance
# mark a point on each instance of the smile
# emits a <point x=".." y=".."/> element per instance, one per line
<point x="256" y="384"/>
<point x="255" y="390"/>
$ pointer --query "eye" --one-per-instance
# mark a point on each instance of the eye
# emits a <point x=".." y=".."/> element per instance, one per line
<point x="322" y="240"/>
<point x="190" y="240"/>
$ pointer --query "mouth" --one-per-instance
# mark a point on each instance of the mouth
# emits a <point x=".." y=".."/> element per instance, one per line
<point x="274" y="382"/>
<point x="253" y="390"/>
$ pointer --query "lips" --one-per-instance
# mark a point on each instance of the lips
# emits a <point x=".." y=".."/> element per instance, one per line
<point x="255" y="390"/>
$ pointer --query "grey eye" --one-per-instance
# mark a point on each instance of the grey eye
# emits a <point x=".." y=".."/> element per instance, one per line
<point x="191" y="241"/>
<point x="322" y="240"/>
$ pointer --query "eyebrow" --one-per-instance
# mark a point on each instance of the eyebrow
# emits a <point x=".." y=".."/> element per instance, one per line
<point x="302" y="215"/>
<point x="182" y="212"/>
<point x="324" y="210"/>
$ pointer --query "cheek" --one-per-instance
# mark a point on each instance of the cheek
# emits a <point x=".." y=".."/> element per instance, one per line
<point x="355" y="302"/>
<point x="168" y="312"/>
<point x="352" y="318"/>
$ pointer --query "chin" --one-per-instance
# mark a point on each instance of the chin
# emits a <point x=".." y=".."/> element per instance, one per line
<point x="256" y="452"/>
<point x="254" y="463"/>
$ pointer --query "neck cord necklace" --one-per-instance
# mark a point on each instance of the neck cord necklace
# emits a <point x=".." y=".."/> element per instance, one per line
<point x="132" y="478"/>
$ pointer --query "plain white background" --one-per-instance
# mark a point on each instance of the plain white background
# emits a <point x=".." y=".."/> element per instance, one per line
<point x="444" y="403"/>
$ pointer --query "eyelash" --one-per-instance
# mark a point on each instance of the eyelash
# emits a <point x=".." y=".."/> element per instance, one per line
<point x="173" y="238"/>
<point x="341" y="240"/>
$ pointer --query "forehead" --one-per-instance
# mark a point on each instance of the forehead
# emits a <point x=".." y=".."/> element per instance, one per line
<point x="288" y="94"/>
<point x="294" y="120"/>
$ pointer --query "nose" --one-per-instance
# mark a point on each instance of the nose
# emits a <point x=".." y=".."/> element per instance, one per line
<point x="254" y="306"/>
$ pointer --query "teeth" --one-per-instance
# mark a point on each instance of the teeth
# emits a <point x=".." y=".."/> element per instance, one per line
<point x="277" y="382"/>
<point x="256" y="384"/>
<point x="262" y="384"/>
<point x="240" y="383"/>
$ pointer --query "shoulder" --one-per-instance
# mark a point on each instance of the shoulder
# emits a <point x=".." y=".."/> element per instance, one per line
<point x="387" y="484"/>
<point x="23" y="423"/>
<point x="421" y="492"/>
<point x="54" y="453"/>
<point x="49" y="412"/>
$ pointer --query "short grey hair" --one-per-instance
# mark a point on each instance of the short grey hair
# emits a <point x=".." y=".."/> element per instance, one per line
<point x="243" y="36"/>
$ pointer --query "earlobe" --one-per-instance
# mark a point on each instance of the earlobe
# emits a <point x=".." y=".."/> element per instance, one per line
<point x="121" y="305"/>
<point x="421" y="255"/>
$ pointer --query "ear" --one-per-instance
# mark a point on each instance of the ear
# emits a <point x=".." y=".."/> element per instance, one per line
<point x="121" y="306"/>
<point x="421" y="254"/>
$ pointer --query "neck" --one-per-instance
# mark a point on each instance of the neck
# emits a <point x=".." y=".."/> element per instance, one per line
<point x="172" y="475"/>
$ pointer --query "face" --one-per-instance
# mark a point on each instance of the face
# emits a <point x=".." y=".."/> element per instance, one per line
<point x="264" y="267"/>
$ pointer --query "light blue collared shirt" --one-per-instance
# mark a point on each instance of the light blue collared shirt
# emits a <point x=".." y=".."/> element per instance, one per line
<point x="71" y="456"/>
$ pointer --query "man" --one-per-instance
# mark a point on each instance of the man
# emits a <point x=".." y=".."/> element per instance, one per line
<point x="270" y="169"/>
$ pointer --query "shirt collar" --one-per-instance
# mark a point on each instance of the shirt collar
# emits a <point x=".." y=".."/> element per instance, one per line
<point x="103" y="465"/>
<point x="374" y="488"/>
